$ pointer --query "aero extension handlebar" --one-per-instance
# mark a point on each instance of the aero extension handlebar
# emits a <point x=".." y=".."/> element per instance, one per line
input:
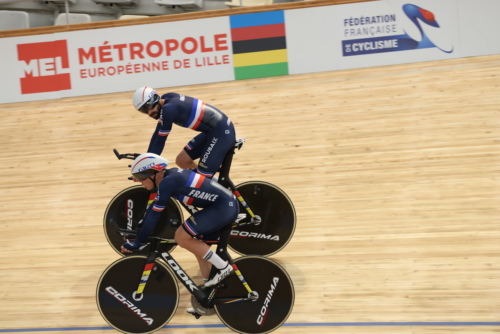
<point x="130" y="156"/>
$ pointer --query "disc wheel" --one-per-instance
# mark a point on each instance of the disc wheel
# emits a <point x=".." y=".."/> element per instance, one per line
<point x="127" y="209"/>
<point x="275" y="302"/>
<point x="119" y="304"/>
<point x="278" y="220"/>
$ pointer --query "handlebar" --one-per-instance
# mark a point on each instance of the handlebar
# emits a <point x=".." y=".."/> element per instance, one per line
<point x="132" y="234"/>
<point x="131" y="156"/>
<point x="123" y="232"/>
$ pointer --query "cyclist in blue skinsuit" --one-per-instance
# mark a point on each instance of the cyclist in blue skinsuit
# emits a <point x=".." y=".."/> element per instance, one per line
<point x="220" y="208"/>
<point x="210" y="146"/>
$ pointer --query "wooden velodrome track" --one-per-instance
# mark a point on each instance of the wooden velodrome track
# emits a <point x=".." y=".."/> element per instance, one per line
<point x="394" y="172"/>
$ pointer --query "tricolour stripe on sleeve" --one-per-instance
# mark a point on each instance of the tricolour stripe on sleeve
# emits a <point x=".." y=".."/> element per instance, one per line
<point x="195" y="180"/>
<point x="186" y="200"/>
<point x="200" y="116"/>
<point x="196" y="114"/>
<point x="158" y="208"/>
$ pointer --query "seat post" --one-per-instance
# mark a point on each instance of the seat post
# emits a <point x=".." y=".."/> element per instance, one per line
<point x="224" y="179"/>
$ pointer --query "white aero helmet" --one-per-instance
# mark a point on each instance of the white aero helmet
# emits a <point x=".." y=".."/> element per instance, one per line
<point x="145" y="99"/>
<point x="147" y="165"/>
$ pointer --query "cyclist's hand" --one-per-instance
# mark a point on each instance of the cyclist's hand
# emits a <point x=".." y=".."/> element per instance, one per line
<point x="137" y="231"/>
<point x="129" y="247"/>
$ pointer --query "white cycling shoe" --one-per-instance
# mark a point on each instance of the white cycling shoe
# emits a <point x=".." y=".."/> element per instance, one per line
<point x="219" y="276"/>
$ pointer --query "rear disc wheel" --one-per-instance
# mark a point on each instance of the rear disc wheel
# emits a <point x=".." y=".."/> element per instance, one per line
<point x="276" y="296"/>
<point x="278" y="220"/>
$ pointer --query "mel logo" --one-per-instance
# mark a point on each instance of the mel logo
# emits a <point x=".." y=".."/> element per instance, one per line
<point x="46" y="67"/>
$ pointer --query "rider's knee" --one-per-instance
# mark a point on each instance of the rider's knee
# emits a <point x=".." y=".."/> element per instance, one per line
<point x="179" y="162"/>
<point x="178" y="237"/>
<point x="181" y="237"/>
<point x="180" y="243"/>
<point x="183" y="160"/>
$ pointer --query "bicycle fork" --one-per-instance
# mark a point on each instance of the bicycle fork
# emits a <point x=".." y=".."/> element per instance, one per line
<point x="150" y="263"/>
<point x="148" y="267"/>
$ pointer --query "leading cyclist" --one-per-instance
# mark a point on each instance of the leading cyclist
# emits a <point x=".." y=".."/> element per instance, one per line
<point x="210" y="146"/>
<point x="203" y="228"/>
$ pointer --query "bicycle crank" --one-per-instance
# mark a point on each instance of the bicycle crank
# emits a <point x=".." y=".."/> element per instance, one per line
<point x="199" y="310"/>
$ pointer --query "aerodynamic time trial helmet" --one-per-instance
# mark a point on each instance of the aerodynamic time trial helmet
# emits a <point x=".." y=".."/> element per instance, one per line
<point x="145" y="99"/>
<point x="148" y="164"/>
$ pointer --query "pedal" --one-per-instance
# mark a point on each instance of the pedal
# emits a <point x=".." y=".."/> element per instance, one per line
<point x="193" y="313"/>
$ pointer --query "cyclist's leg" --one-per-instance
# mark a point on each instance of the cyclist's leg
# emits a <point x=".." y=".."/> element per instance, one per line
<point x="195" y="246"/>
<point x="205" y="224"/>
<point x="184" y="161"/>
<point x="192" y="151"/>
<point x="205" y="267"/>
<point x="218" y="142"/>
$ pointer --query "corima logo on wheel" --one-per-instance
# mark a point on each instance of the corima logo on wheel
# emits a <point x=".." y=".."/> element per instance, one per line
<point x="424" y="21"/>
<point x="130" y="213"/>
<point x="46" y="67"/>
<point x="245" y="235"/>
<point x="264" y="311"/>
<point x="129" y="305"/>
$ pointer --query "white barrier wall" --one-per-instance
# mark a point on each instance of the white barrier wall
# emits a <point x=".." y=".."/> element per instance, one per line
<point x="200" y="51"/>
<point x="479" y="27"/>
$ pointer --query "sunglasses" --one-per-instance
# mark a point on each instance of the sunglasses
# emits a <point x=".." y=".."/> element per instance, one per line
<point x="150" y="104"/>
<point x="143" y="176"/>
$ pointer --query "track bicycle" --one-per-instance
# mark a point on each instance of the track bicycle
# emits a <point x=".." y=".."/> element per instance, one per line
<point x="269" y="226"/>
<point x="140" y="294"/>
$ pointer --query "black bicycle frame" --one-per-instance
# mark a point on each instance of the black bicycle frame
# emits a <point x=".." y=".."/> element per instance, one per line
<point x="202" y="294"/>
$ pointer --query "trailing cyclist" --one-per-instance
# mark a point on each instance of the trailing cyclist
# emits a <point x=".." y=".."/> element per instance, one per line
<point x="203" y="228"/>
<point x="217" y="135"/>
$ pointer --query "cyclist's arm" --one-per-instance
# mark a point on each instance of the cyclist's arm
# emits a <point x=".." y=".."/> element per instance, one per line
<point x="154" y="136"/>
<point x="154" y="212"/>
<point x="162" y="129"/>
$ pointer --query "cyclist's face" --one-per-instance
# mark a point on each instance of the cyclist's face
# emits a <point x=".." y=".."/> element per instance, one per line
<point x="155" y="112"/>
<point x="148" y="183"/>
